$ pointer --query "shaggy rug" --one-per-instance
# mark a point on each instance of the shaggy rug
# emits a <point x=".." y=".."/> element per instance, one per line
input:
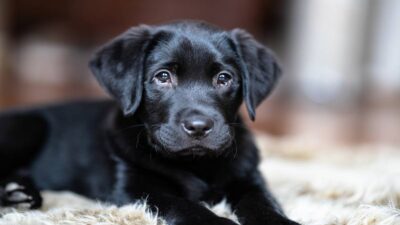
<point x="317" y="185"/>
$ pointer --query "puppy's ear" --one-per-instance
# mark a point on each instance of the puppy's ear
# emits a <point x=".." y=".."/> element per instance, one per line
<point x="259" y="69"/>
<point x="119" y="67"/>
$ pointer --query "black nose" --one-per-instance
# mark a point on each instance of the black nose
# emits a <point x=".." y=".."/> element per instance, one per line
<point x="197" y="126"/>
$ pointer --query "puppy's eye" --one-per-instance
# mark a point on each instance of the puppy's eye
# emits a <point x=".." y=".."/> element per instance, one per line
<point x="223" y="79"/>
<point x="162" y="77"/>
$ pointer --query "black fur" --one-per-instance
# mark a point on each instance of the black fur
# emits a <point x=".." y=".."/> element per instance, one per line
<point x="175" y="142"/>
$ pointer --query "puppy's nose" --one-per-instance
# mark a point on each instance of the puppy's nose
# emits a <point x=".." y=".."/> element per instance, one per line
<point x="197" y="126"/>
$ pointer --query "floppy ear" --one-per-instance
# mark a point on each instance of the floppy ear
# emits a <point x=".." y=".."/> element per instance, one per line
<point x="259" y="68"/>
<point x="119" y="64"/>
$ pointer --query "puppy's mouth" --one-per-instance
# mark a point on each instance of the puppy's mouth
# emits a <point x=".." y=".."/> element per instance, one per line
<point x="167" y="142"/>
<point x="196" y="151"/>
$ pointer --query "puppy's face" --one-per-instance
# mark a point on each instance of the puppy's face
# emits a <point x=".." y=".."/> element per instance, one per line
<point x="192" y="92"/>
<point x="186" y="82"/>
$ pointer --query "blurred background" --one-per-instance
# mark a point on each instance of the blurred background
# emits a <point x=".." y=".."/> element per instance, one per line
<point x="341" y="58"/>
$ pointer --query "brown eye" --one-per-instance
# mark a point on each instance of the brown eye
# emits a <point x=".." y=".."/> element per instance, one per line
<point x="163" y="76"/>
<point x="224" y="79"/>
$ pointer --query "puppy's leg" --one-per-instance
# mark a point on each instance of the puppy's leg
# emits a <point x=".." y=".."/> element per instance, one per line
<point x="22" y="135"/>
<point x="19" y="192"/>
<point x="180" y="211"/>
<point x="255" y="205"/>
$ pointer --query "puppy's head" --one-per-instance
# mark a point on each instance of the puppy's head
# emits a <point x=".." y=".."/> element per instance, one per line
<point x="186" y="81"/>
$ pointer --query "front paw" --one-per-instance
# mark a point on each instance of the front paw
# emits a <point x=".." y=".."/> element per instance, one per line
<point x="20" y="196"/>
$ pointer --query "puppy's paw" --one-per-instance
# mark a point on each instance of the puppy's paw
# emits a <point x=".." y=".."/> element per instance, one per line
<point x="18" y="195"/>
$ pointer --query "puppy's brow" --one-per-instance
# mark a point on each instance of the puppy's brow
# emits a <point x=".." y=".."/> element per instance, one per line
<point x="216" y="67"/>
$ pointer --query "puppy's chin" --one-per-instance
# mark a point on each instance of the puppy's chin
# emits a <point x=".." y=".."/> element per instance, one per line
<point x="169" y="146"/>
<point x="198" y="151"/>
<point x="191" y="153"/>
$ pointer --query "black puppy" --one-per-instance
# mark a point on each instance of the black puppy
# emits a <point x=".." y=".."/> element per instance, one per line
<point x="177" y="141"/>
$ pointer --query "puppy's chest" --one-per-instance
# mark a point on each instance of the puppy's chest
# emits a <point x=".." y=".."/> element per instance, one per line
<point x="196" y="189"/>
<point x="207" y="185"/>
<point x="169" y="181"/>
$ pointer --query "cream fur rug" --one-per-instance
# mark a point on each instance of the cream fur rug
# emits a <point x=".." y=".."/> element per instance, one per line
<point x="316" y="185"/>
